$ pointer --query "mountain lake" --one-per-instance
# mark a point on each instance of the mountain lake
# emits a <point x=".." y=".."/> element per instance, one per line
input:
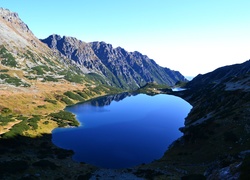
<point x="123" y="130"/>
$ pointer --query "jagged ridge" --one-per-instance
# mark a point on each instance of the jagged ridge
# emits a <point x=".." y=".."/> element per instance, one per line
<point x="119" y="67"/>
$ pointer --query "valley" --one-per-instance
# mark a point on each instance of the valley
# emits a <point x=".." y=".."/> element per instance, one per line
<point x="39" y="78"/>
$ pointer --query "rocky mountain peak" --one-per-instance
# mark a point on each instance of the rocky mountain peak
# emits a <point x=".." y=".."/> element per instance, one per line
<point x="76" y="50"/>
<point x="13" y="18"/>
<point x="64" y="43"/>
<point x="15" y="34"/>
<point x="118" y="66"/>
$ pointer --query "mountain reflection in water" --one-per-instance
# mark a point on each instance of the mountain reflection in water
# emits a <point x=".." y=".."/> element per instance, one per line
<point x="123" y="130"/>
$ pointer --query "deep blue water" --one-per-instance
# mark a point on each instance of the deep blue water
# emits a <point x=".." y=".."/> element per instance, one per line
<point x="123" y="131"/>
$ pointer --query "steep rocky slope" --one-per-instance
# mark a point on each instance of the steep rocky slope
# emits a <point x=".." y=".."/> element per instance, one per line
<point x="26" y="58"/>
<point x="134" y="65"/>
<point x="223" y="75"/>
<point x="36" y="81"/>
<point x="119" y="67"/>
<point x="216" y="140"/>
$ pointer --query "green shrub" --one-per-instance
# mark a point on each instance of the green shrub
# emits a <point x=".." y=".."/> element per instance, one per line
<point x="95" y="78"/>
<point x="49" y="61"/>
<point x="31" y="77"/>
<point x="39" y="70"/>
<point x="74" y="96"/>
<point x="5" y="120"/>
<point x="30" y="55"/>
<point x="5" y="111"/>
<point x="22" y="118"/>
<point x="33" y="121"/>
<point x="46" y="122"/>
<point x="8" y="59"/>
<point x="64" y="118"/>
<point x="13" y="80"/>
<point x="50" y="78"/>
<point x="66" y="100"/>
<point x="4" y="70"/>
<point x="64" y="115"/>
<point x="50" y="101"/>
<point x="41" y="106"/>
<point x="82" y="94"/>
<point x="17" y="129"/>
<point x="74" y="78"/>
<point x="4" y="76"/>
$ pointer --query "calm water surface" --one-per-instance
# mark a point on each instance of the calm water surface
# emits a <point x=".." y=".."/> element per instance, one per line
<point x="123" y="130"/>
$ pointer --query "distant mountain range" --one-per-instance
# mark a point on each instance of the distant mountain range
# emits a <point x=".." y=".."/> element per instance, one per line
<point x="58" y="57"/>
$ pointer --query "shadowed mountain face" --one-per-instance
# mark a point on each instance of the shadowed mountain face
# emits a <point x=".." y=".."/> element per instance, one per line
<point x="217" y="128"/>
<point x="119" y="67"/>
<point x="223" y="75"/>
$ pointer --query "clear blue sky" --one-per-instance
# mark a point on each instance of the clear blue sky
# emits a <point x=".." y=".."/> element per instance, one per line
<point x="191" y="36"/>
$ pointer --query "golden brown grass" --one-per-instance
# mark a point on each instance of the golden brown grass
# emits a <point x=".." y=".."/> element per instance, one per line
<point x="25" y="101"/>
<point x="43" y="128"/>
<point x="30" y="101"/>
